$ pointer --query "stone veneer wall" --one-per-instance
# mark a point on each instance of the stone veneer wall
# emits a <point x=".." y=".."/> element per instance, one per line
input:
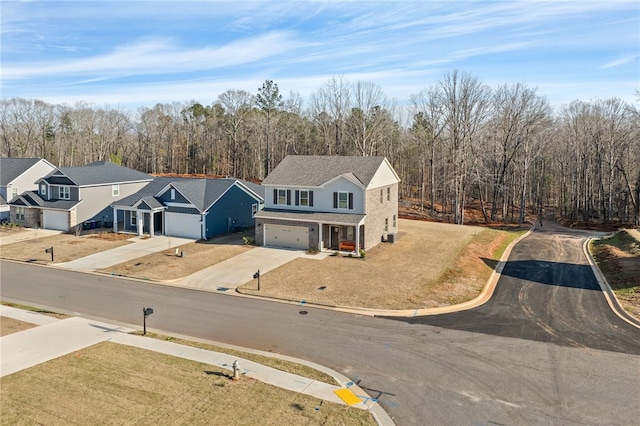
<point x="31" y="218"/>
<point x="377" y="212"/>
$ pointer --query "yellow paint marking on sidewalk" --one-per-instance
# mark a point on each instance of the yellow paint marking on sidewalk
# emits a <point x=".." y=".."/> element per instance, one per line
<point x="347" y="396"/>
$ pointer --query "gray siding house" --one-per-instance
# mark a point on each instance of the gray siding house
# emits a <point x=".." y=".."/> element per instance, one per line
<point x="76" y="196"/>
<point x="18" y="175"/>
<point x="329" y="202"/>
<point x="197" y="208"/>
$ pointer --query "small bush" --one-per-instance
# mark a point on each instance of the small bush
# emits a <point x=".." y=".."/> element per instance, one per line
<point x="362" y="253"/>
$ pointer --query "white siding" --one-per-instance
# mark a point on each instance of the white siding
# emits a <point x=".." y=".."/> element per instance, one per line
<point x="384" y="176"/>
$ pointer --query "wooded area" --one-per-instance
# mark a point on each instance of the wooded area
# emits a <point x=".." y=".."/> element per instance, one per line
<point x="459" y="142"/>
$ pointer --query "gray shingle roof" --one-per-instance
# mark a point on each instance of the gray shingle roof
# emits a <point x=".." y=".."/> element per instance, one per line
<point x="32" y="199"/>
<point x="315" y="170"/>
<point x="103" y="173"/>
<point x="11" y="168"/>
<point x="200" y="192"/>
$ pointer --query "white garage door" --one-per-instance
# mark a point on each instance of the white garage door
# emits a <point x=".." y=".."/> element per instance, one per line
<point x="287" y="236"/>
<point x="52" y="219"/>
<point x="183" y="225"/>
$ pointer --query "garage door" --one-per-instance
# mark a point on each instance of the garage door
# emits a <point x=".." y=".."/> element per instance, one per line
<point x="287" y="236"/>
<point x="183" y="225"/>
<point x="53" y="219"/>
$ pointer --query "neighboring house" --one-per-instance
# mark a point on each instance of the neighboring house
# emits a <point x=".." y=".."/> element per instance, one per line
<point x="18" y="175"/>
<point x="196" y="208"/>
<point x="329" y="202"/>
<point x="71" y="196"/>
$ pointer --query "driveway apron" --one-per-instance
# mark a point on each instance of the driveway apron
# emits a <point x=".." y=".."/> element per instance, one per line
<point x="231" y="273"/>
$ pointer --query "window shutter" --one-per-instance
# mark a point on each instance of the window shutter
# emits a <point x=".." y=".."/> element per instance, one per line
<point x="297" y="197"/>
<point x="335" y="200"/>
<point x="288" y="197"/>
<point x="275" y="196"/>
<point x="351" y="201"/>
<point x="310" y="198"/>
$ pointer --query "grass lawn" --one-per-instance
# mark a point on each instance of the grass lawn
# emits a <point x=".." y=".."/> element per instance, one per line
<point x="66" y="247"/>
<point x="618" y="257"/>
<point x="10" y="325"/>
<point x="166" y="266"/>
<point x="431" y="265"/>
<point x="115" y="384"/>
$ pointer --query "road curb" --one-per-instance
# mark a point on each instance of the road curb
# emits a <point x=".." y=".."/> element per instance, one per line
<point x="607" y="291"/>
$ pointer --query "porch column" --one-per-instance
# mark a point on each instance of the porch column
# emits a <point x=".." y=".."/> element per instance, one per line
<point x="151" y="225"/>
<point x="140" y="219"/>
<point x="358" y="239"/>
<point x="320" y="242"/>
<point x="115" y="220"/>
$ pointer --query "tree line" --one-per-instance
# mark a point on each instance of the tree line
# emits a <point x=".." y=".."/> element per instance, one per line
<point x="459" y="142"/>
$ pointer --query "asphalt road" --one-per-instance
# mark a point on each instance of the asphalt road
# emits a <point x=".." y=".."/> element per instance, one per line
<point x="545" y="350"/>
<point x="548" y="293"/>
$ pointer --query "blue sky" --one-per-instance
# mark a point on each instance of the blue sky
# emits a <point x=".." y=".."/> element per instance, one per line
<point x="135" y="53"/>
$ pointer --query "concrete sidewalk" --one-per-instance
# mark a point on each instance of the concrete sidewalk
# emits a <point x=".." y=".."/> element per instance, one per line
<point x="56" y="338"/>
<point x="139" y="247"/>
<point x="231" y="273"/>
<point x="25" y="235"/>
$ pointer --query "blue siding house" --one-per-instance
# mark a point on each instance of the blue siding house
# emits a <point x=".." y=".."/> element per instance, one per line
<point x="195" y="208"/>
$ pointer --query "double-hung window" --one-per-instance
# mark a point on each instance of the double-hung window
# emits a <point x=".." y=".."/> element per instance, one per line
<point x="19" y="213"/>
<point x="388" y="194"/>
<point x="282" y="196"/>
<point x="134" y="218"/>
<point x="64" y="193"/>
<point x="304" y="198"/>
<point x="343" y="200"/>
<point x="115" y="190"/>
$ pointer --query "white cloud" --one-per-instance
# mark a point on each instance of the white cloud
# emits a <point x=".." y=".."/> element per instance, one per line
<point x="625" y="59"/>
<point x="160" y="56"/>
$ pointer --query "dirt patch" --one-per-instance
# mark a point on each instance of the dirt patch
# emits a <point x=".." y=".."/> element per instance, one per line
<point x="116" y="384"/>
<point x="618" y="257"/>
<point x="166" y="265"/>
<point x="431" y="264"/>
<point x="65" y="247"/>
<point x="11" y="325"/>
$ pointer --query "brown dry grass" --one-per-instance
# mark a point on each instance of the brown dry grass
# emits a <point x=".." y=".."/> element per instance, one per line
<point x="432" y="264"/>
<point x="66" y="247"/>
<point x="11" y="325"/>
<point x="115" y="384"/>
<point x="618" y="258"/>
<point x="166" y="266"/>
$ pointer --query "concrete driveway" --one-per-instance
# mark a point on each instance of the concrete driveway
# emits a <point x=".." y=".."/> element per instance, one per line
<point x="139" y="247"/>
<point x="231" y="273"/>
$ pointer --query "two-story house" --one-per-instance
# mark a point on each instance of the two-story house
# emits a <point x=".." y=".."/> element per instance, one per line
<point x="71" y="196"/>
<point x="198" y="208"/>
<point x="18" y="175"/>
<point x="329" y="202"/>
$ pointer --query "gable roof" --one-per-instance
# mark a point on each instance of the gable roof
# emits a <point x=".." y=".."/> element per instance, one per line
<point x="201" y="192"/>
<point x="316" y="170"/>
<point x="11" y="168"/>
<point x="97" y="173"/>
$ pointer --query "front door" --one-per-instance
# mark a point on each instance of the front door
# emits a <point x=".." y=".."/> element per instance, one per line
<point x="335" y="237"/>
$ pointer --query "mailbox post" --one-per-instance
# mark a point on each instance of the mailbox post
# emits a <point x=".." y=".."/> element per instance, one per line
<point x="49" y="250"/>
<point x="145" y="313"/>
